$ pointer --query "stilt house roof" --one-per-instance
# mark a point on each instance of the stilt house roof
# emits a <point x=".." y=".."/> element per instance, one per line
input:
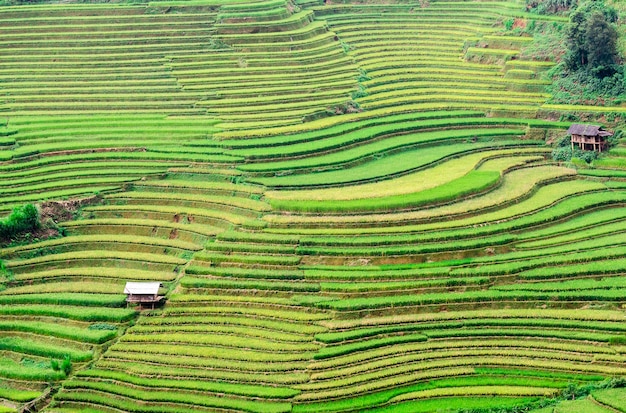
<point x="142" y="288"/>
<point x="587" y="130"/>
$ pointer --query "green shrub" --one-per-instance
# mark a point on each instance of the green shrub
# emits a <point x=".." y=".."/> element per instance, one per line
<point x="22" y="219"/>
<point x="587" y="156"/>
<point x="566" y="154"/>
<point x="66" y="365"/>
<point x="4" y="273"/>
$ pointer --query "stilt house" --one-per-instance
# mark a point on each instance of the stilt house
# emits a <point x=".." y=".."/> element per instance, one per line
<point x="589" y="137"/>
<point x="143" y="293"/>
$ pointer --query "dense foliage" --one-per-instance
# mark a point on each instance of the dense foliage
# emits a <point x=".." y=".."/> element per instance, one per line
<point x="592" y="40"/>
<point x="550" y="6"/>
<point x="563" y="152"/>
<point x="591" y="70"/>
<point x="22" y="219"/>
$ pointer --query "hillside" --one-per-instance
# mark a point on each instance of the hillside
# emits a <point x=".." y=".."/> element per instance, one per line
<point x="351" y="206"/>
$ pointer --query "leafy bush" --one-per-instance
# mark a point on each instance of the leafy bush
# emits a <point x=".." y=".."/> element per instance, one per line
<point x="66" y="365"/>
<point x="3" y="270"/>
<point x="22" y="219"/>
<point x="360" y="93"/>
<point x="563" y="152"/>
<point x="587" y="156"/>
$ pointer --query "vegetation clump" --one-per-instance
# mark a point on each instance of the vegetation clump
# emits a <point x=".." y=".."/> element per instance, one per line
<point x="22" y="220"/>
<point x="550" y="6"/>
<point x="563" y="152"/>
<point x="590" y="67"/>
<point x="590" y="70"/>
<point x="64" y="365"/>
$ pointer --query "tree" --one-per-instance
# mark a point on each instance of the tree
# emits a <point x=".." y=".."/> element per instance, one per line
<point x="601" y="44"/>
<point x="591" y="41"/>
<point x="576" y="56"/>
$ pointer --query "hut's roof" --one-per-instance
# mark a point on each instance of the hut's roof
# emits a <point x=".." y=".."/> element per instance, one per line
<point x="147" y="288"/>
<point x="587" y="130"/>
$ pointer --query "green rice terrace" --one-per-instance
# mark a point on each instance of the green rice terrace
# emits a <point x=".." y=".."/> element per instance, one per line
<point x="350" y="206"/>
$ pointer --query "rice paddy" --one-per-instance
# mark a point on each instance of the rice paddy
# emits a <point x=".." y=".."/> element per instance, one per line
<point x="348" y="207"/>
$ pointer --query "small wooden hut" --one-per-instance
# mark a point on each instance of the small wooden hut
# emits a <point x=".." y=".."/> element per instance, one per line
<point x="143" y="293"/>
<point x="589" y="137"/>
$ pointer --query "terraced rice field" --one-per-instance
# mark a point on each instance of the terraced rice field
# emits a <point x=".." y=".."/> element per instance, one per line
<point x="350" y="207"/>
